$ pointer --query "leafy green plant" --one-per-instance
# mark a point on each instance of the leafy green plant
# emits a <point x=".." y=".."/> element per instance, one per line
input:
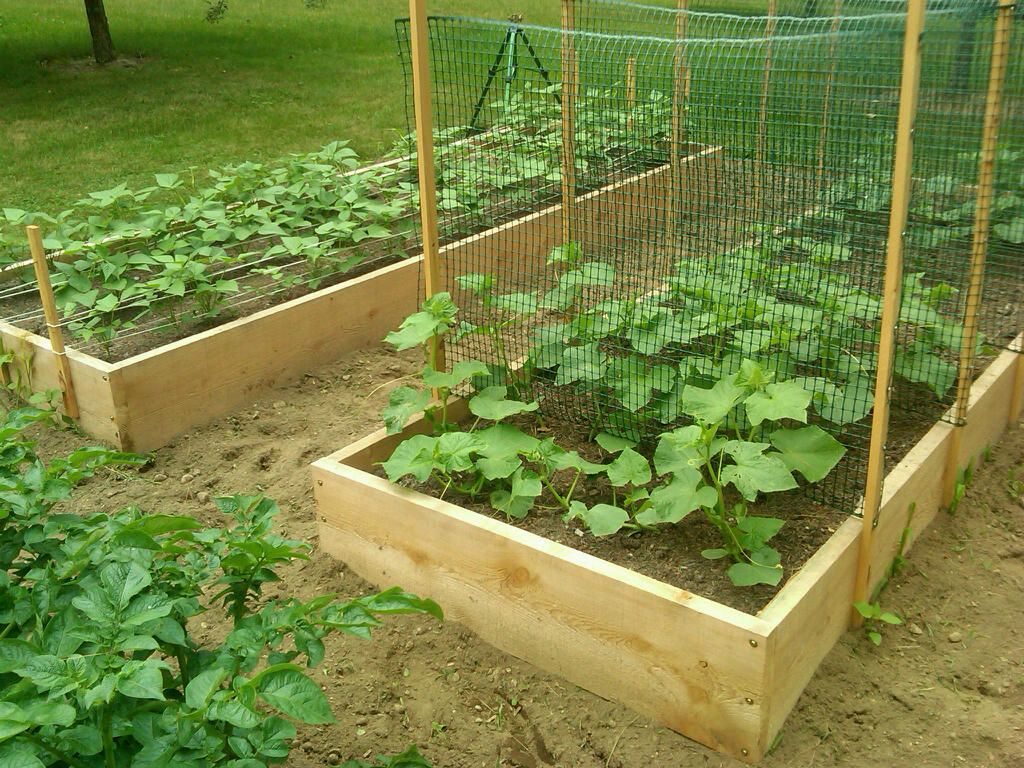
<point x="98" y="661"/>
<point x="874" y="619"/>
<point x="737" y="447"/>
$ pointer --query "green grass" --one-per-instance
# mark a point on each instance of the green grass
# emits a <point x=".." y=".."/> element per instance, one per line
<point x="273" y="77"/>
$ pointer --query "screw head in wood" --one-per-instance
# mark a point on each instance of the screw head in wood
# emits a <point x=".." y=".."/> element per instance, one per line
<point x="753" y="643"/>
<point x="749" y="700"/>
<point x="744" y="752"/>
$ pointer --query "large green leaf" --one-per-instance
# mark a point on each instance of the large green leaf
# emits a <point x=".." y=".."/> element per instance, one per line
<point x="491" y="403"/>
<point x="517" y="500"/>
<point x="680" y="450"/>
<point x="755" y="471"/>
<point x="201" y="687"/>
<point x="629" y="467"/>
<point x="462" y="371"/>
<point x="142" y="679"/>
<point x="671" y="503"/>
<point x="750" y="574"/>
<point x="583" y="363"/>
<point x="403" y="403"/>
<point x="811" y="451"/>
<point x="605" y="519"/>
<point x="414" y="456"/>
<point x="456" y="450"/>
<point x="711" y="406"/>
<point x="436" y="317"/>
<point x="786" y="400"/>
<point x="289" y="691"/>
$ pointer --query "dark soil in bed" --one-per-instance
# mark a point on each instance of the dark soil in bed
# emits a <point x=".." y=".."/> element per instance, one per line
<point x="672" y="553"/>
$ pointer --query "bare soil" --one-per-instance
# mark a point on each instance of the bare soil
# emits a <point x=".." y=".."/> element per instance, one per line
<point x="944" y="689"/>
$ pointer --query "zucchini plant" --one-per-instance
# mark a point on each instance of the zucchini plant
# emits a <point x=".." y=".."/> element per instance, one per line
<point x="739" y="444"/>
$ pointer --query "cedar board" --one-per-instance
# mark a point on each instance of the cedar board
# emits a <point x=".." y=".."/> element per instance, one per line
<point x="722" y="677"/>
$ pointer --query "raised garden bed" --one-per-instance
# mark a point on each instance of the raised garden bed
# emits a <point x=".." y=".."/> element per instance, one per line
<point x="725" y="678"/>
<point x="142" y="402"/>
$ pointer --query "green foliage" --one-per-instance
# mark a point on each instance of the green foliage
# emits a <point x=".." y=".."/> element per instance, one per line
<point x="739" y="446"/>
<point x="128" y="253"/>
<point x="874" y="619"/>
<point x="98" y="666"/>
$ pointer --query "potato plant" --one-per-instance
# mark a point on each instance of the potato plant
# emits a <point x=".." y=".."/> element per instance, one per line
<point x="99" y="663"/>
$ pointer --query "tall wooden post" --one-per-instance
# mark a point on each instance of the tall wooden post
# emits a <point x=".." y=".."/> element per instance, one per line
<point x="425" y="161"/>
<point x="826" y="108"/>
<point x="67" y="386"/>
<point x="982" y="222"/>
<point x="680" y="97"/>
<point x="901" y="181"/>
<point x="630" y="90"/>
<point x="570" y="84"/>
<point x="760" y="151"/>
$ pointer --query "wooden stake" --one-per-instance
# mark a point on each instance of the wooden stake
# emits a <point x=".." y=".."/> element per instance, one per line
<point x="570" y="85"/>
<point x="680" y="97"/>
<point x="67" y="387"/>
<point x="979" y="241"/>
<point x="630" y="90"/>
<point x="419" y="35"/>
<point x="901" y="180"/>
<point x="762" y="119"/>
<point x="983" y="201"/>
<point x="823" y="137"/>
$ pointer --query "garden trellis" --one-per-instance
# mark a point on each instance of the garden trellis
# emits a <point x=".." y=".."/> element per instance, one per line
<point x="818" y="192"/>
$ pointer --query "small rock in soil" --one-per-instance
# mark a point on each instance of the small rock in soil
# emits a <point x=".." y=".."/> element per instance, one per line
<point x="202" y="497"/>
<point x="913" y="629"/>
<point x="187" y="478"/>
<point x="159" y="477"/>
<point x="955" y="637"/>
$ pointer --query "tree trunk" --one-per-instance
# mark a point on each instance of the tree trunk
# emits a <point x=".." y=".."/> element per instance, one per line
<point x="99" y="28"/>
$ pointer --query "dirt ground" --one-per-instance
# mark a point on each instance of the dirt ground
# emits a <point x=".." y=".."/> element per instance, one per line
<point x="944" y="689"/>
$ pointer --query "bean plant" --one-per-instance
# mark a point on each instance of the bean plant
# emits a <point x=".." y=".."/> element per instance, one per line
<point x="100" y="663"/>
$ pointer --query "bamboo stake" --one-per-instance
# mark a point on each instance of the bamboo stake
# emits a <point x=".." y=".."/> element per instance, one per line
<point x="67" y="387"/>
<point x="823" y="137"/>
<point x="982" y="221"/>
<point x="680" y="97"/>
<point x="425" y="162"/>
<point x="630" y="90"/>
<point x="762" y="120"/>
<point x="901" y="180"/>
<point x="570" y="84"/>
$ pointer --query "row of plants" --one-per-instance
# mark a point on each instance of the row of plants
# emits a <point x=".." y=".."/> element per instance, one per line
<point x="183" y="246"/>
<point x="100" y="663"/>
<point x="726" y="383"/>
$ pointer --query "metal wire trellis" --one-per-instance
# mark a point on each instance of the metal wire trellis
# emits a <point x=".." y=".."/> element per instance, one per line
<point x="732" y="178"/>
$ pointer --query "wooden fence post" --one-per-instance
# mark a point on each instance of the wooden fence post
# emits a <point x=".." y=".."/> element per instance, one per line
<point x="630" y="90"/>
<point x="901" y="184"/>
<point x="826" y="108"/>
<point x="570" y="84"/>
<point x="980" y="238"/>
<point x="420" y="48"/>
<point x="42" y="269"/>
<point x="760" y="151"/>
<point x="680" y="95"/>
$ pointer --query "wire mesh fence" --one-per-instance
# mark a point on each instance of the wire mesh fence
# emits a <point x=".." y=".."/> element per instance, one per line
<point x="731" y="182"/>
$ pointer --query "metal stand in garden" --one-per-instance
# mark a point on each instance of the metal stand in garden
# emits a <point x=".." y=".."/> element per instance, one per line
<point x="509" y="52"/>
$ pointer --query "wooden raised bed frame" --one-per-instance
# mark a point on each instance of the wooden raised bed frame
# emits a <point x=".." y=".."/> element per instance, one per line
<point x="145" y="401"/>
<point x="720" y="676"/>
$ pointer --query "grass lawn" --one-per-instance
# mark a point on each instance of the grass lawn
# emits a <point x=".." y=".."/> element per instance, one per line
<point x="273" y="77"/>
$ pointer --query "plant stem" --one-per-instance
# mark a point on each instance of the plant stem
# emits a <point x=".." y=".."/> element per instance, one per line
<point x="107" y="735"/>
